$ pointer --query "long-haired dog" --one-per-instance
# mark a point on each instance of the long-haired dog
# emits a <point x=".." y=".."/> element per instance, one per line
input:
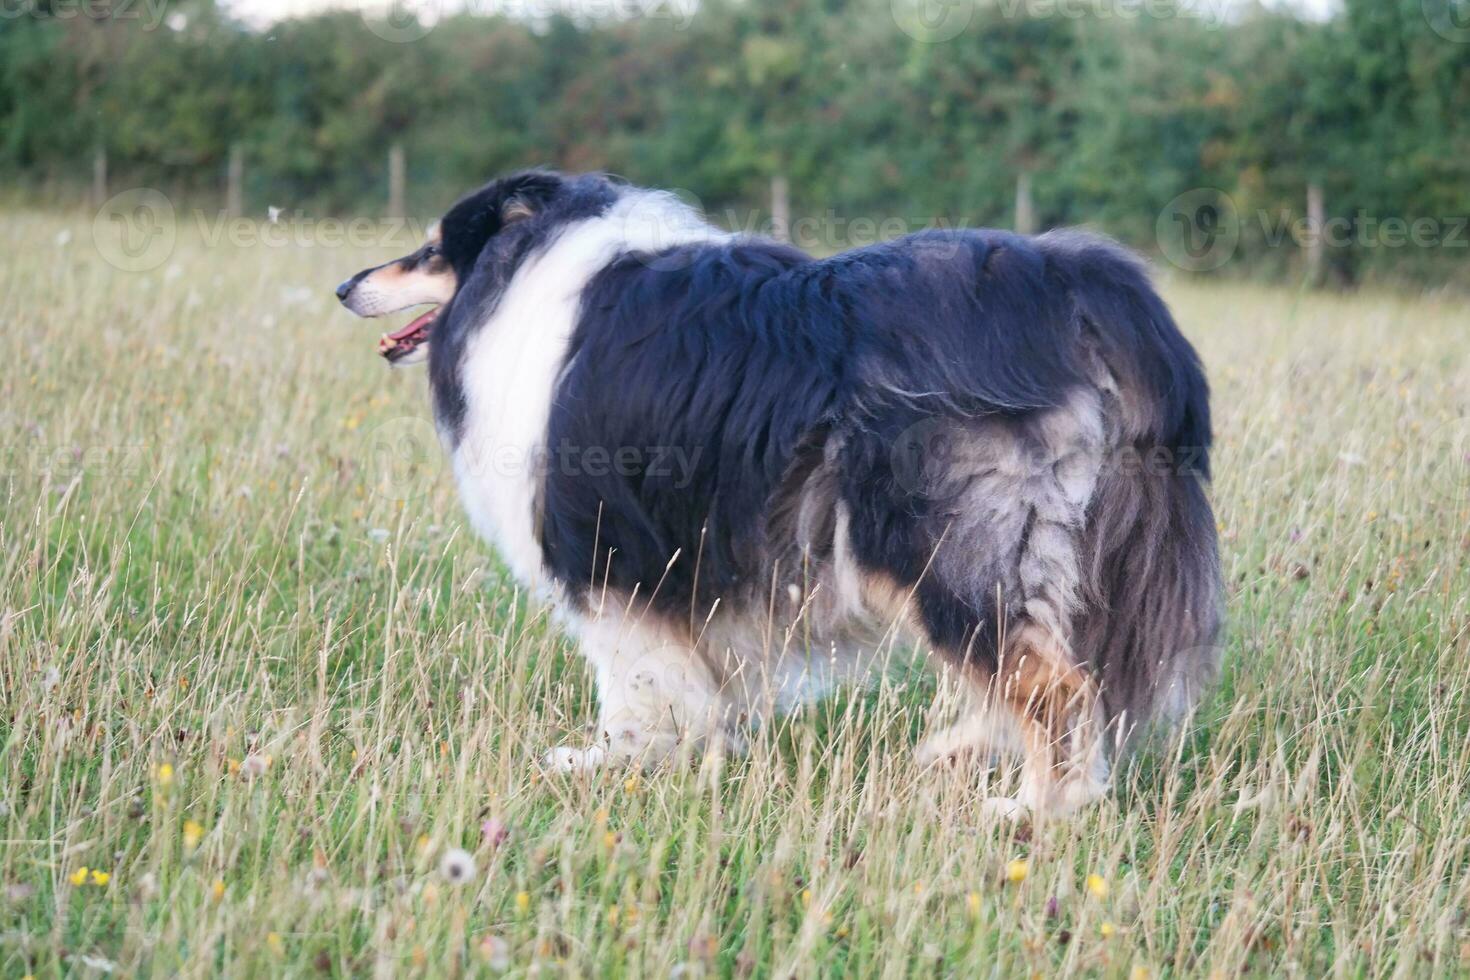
<point x="734" y="469"/>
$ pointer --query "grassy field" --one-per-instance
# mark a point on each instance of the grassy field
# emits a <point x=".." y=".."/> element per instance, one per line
<point x="257" y="681"/>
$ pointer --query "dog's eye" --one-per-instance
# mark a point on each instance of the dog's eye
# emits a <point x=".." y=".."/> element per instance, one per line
<point x="431" y="250"/>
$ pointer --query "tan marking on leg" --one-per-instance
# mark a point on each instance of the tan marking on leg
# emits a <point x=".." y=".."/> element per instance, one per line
<point x="1055" y="703"/>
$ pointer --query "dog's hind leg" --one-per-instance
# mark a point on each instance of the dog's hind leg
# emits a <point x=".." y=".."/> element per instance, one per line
<point x="982" y="731"/>
<point x="1056" y="706"/>
<point x="656" y="696"/>
<point x="1003" y="591"/>
<point x="1038" y="707"/>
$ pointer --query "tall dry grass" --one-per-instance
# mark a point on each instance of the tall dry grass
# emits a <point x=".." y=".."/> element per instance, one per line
<point x="258" y="680"/>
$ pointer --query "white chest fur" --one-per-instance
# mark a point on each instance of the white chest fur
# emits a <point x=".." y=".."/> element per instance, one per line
<point x="511" y="366"/>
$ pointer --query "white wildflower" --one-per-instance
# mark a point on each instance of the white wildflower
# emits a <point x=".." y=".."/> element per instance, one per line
<point x="458" y="866"/>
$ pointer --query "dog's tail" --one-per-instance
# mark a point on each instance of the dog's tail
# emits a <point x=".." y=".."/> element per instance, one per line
<point x="1150" y="620"/>
<point x="1150" y="627"/>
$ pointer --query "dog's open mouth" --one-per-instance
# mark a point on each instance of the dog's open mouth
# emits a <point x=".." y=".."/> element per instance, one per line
<point x="401" y="343"/>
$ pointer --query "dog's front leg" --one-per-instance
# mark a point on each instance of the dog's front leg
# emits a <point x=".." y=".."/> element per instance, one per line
<point x="655" y="699"/>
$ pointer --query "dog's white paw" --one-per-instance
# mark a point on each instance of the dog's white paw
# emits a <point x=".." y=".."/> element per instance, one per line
<point x="928" y="753"/>
<point x="1004" y="808"/>
<point x="940" y="751"/>
<point x="564" y="758"/>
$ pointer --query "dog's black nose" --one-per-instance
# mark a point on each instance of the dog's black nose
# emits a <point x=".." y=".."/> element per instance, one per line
<point x="345" y="287"/>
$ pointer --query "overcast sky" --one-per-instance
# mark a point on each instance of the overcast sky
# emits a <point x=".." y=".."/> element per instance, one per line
<point x="262" y="12"/>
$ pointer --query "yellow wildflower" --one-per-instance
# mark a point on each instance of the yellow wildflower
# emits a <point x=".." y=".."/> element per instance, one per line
<point x="218" y="889"/>
<point x="164" y="773"/>
<point x="1097" y="886"/>
<point x="1017" y="870"/>
<point x="79" y="876"/>
<point x="1107" y="930"/>
<point x="100" y="878"/>
<point x="273" y="941"/>
<point x="523" y="901"/>
<point x="972" y="903"/>
<point x="193" y="834"/>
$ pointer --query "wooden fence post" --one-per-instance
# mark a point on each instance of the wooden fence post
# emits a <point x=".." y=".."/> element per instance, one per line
<point x="1025" y="209"/>
<point x="1316" y="229"/>
<point x="234" y="182"/>
<point x="99" y="176"/>
<point x="396" y="180"/>
<point x="780" y="209"/>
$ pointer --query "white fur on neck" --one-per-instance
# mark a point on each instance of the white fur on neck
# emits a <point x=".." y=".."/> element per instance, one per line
<point x="511" y="365"/>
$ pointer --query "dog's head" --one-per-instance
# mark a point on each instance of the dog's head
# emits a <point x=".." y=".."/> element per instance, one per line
<point x="434" y="272"/>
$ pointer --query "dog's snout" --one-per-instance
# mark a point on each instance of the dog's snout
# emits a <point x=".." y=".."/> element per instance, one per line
<point x="344" y="288"/>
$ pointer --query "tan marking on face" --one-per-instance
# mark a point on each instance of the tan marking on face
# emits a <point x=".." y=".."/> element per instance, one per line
<point x="413" y="280"/>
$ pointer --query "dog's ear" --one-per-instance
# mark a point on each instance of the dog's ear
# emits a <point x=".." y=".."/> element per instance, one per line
<point x="528" y="196"/>
<point x="516" y="208"/>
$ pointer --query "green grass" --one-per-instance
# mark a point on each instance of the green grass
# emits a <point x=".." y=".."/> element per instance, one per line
<point x="209" y="560"/>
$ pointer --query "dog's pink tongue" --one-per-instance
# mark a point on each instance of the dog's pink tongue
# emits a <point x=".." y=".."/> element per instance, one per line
<point x="414" y="326"/>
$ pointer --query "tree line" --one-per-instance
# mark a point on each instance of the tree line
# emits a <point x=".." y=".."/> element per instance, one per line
<point x="1111" y="113"/>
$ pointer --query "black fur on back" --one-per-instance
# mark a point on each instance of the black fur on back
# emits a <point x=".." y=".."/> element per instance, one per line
<point x="733" y="412"/>
<point x="756" y="361"/>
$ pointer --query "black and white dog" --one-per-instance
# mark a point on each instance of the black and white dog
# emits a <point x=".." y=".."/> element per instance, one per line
<point x="735" y="469"/>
